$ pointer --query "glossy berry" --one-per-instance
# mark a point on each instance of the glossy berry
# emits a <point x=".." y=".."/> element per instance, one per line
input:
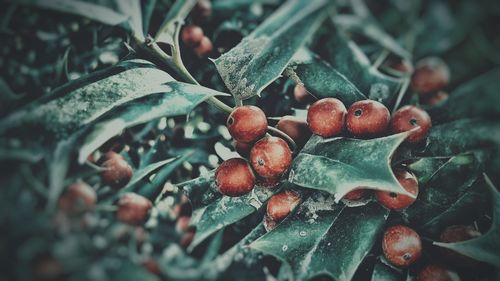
<point x="281" y="204"/>
<point x="295" y="128"/>
<point x="431" y="75"/>
<point x="433" y="272"/>
<point x="395" y="201"/>
<point x="234" y="177"/>
<point x="204" y="48"/>
<point x="192" y="35"/>
<point x="368" y="118"/>
<point x="355" y="194"/>
<point x="301" y="95"/>
<point x="243" y="148"/>
<point x="434" y="99"/>
<point x="133" y="208"/>
<point x="326" y="117"/>
<point x="78" y="197"/>
<point x="458" y="233"/>
<point x="117" y="172"/>
<point x="247" y="123"/>
<point x="401" y="245"/>
<point x="408" y="118"/>
<point x="270" y="157"/>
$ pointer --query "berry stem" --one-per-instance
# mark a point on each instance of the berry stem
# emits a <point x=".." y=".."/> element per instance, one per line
<point x="284" y="136"/>
<point x="402" y="91"/>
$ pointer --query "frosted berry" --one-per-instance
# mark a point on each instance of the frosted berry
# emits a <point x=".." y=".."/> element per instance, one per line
<point x="434" y="99"/>
<point x="234" y="177"/>
<point x="401" y="245"/>
<point x="204" y="48"/>
<point x="78" y="197"/>
<point x="281" y="204"/>
<point x="433" y="272"/>
<point x="295" y="128"/>
<point x="243" y="148"/>
<point x="133" y="208"/>
<point x="408" y="118"/>
<point x="192" y="35"/>
<point x="301" y="95"/>
<point x="247" y="123"/>
<point x="117" y="172"/>
<point x="355" y="194"/>
<point x="270" y="157"/>
<point x="326" y="117"/>
<point x="431" y="75"/>
<point x="395" y="201"/>
<point x="368" y="118"/>
<point x="458" y="233"/>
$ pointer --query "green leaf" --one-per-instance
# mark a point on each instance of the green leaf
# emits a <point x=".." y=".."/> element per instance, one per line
<point x="322" y="80"/>
<point x="66" y="113"/>
<point x="324" y="237"/>
<point x="176" y="15"/>
<point x="128" y="271"/>
<point x="425" y="168"/>
<point x="262" y="56"/>
<point x="178" y="98"/>
<point x="212" y="211"/>
<point x="461" y="136"/>
<point x="347" y="58"/>
<point x="147" y="12"/>
<point x="372" y="30"/>
<point x="340" y="165"/>
<point x="385" y="272"/>
<point x="487" y="246"/>
<point x="477" y="97"/>
<point x="141" y="173"/>
<point x="452" y="184"/>
<point x="125" y="14"/>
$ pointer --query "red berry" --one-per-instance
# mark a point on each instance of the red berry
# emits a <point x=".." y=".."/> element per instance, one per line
<point x="187" y="238"/>
<point x="182" y="224"/>
<point x="435" y="272"/>
<point x="368" y="118"/>
<point x="108" y="155"/>
<point x="133" y="208"/>
<point x="401" y="245"/>
<point x="78" y="197"/>
<point x="243" y="148"/>
<point x="192" y="35"/>
<point x="355" y="194"/>
<point x="431" y="75"/>
<point x="281" y="204"/>
<point x="117" y="172"/>
<point x="395" y="201"/>
<point x="247" y="123"/>
<point x="234" y="177"/>
<point x="326" y="117"/>
<point x="269" y="224"/>
<point x="295" y="128"/>
<point x="434" y="99"/>
<point x="458" y="233"/>
<point x="401" y="65"/>
<point x="271" y="157"/>
<point x="410" y="117"/>
<point x="301" y="95"/>
<point x="204" y="48"/>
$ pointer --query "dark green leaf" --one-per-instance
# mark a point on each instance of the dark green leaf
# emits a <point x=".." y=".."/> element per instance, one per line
<point x="486" y="247"/>
<point x="140" y="174"/>
<point x="176" y="15"/>
<point x="177" y="99"/>
<point x="262" y="56"/>
<point x="475" y="98"/>
<point x="324" y="237"/>
<point x="384" y="272"/>
<point x="322" y="80"/>
<point x="340" y="165"/>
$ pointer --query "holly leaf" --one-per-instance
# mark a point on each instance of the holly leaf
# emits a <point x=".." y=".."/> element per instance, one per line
<point x="486" y="247"/>
<point x="213" y="211"/>
<point x="450" y="191"/>
<point x="463" y="104"/>
<point x="340" y="165"/>
<point x="262" y="56"/>
<point x="322" y="80"/>
<point x="324" y="237"/>
<point x="178" y="98"/>
<point x="347" y="58"/>
<point x="76" y="106"/>
<point x="383" y="271"/>
<point x="176" y="15"/>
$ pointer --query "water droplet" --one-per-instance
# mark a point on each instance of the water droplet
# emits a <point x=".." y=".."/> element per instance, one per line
<point x="284" y="248"/>
<point x="303" y="233"/>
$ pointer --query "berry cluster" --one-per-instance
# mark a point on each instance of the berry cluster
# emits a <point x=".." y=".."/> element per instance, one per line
<point x="193" y="36"/>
